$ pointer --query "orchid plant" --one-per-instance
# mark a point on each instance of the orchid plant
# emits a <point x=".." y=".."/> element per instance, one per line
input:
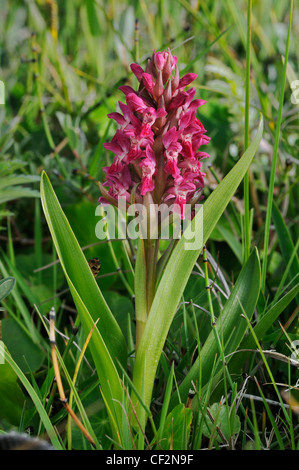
<point x="157" y="154"/>
<point x="157" y="161"/>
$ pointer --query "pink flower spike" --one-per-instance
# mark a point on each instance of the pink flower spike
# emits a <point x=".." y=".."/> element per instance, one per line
<point x="205" y="140"/>
<point x="191" y="164"/>
<point x="176" y="80"/>
<point x="157" y="147"/>
<point x="160" y="113"/>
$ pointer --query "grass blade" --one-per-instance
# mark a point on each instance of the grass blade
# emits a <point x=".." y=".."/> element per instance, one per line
<point x="245" y="293"/>
<point x="34" y="397"/>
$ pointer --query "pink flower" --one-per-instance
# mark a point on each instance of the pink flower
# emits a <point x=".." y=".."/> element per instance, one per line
<point x="157" y="145"/>
<point x="172" y="150"/>
<point x="148" y="165"/>
<point x="181" y="191"/>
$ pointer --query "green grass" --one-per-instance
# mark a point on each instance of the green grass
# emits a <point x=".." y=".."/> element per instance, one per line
<point x="62" y="64"/>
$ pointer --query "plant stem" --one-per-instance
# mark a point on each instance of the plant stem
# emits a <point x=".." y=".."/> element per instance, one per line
<point x="274" y="158"/>
<point x="146" y="267"/>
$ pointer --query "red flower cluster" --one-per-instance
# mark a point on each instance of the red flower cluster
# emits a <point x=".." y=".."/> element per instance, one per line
<point x="156" y="146"/>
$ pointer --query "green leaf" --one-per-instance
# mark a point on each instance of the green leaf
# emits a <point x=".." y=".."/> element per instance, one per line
<point x="167" y="396"/>
<point x="11" y="396"/>
<point x="12" y="180"/>
<point x="17" y="193"/>
<point x="231" y="240"/>
<point x="107" y="343"/>
<point x="177" y="429"/>
<point x="79" y="274"/>
<point x="177" y="273"/>
<point x="121" y="306"/>
<point x="6" y="286"/>
<point x="93" y="21"/>
<point x="221" y="421"/>
<point x="27" y="354"/>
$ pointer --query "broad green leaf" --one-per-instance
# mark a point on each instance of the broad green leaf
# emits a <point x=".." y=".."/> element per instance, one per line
<point x="121" y="306"/>
<point x="221" y="421"/>
<point x="106" y="369"/>
<point x="28" y="355"/>
<point x="233" y="243"/>
<point x="177" y="429"/>
<point x="178" y="270"/>
<point x="11" y="396"/>
<point x="107" y="343"/>
<point x="81" y="218"/>
<point x="79" y="274"/>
